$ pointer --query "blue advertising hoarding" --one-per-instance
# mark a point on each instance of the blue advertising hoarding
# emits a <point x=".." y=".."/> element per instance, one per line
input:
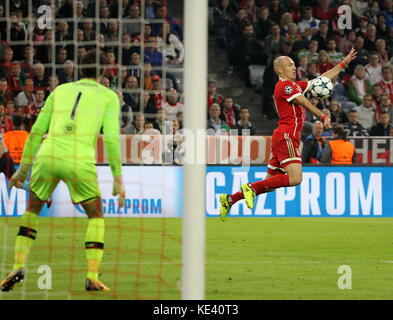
<point x="156" y="191"/>
<point x="324" y="192"/>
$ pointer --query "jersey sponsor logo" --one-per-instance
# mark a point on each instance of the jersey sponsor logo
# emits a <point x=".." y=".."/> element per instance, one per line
<point x="288" y="89"/>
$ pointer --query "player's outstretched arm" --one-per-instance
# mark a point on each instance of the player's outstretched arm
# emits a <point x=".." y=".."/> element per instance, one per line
<point x="40" y="127"/>
<point x="112" y="145"/>
<point x="333" y="72"/>
<point x="303" y="101"/>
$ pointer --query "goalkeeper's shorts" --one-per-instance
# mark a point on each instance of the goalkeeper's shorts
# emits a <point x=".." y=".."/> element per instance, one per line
<point x="81" y="179"/>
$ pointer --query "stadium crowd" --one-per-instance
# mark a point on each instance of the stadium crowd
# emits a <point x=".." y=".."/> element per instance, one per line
<point x="254" y="32"/>
<point x="144" y="57"/>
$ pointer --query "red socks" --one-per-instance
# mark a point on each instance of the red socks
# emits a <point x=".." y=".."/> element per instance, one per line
<point x="278" y="181"/>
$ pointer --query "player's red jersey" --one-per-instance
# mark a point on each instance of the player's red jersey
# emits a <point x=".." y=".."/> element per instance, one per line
<point x="292" y="116"/>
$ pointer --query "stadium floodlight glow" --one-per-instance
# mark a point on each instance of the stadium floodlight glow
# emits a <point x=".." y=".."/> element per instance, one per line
<point x="195" y="84"/>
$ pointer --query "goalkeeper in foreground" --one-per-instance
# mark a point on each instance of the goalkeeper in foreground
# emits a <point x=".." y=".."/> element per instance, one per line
<point x="73" y="116"/>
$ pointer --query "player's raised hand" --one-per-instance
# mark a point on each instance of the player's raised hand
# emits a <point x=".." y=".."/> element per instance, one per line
<point x="118" y="189"/>
<point x="350" y="57"/>
<point x="19" y="177"/>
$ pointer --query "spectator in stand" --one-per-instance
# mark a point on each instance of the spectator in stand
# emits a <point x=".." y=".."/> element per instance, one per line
<point x="147" y="33"/>
<point x="323" y="62"/>
<point x="61" y="58"/>
<point x="152" y="54"/>
<point x="212" y="95"/>
<point x="286" y="20"/>
<point x="363" y="54"/>
<point x="53" y="83"/>
<point x="359" y="85"/>
<point x="301" y="70"/>
<point x="5" y="122"/>
<point x="149" y="105"/>
<point x="388" y="12"/>
<point x="4" y="93"/>
<point x="223" y="14"/>
<point x="248" y="51"/>
<point x="80" y="53"/>
<point x="112" y="68"/>
<point x="382" y="53"/>
<point x="243" y="126"/>
<point x="5" y="66"/>
<point x="313" y="145"/>
<point x="26" y="97"/>
<point x="377" y="96"/>
<point x="383" y="127"/>
<point x="311" y="52"/>
<point x="324" y="11"/>
<point x="88" y="31"/>
<point x="104" y="19"/>
<point x="273" y="42"/>
<point x="63" y="34"/>
<point x="323" y="35"/>
<point x="132" y="94"/>
<point x="361" y="30"/>
<point x="215" y="125"/>
<point x="173" y="108"/>
<point x="35" y="108"/>
<point x="161" y="12"/>
<point x="161" y="122"/>
<point x="382" y="29"/>
<point x="230" y="111"/>
<point x="293" y="35"/>
<point x="135" y="127"/>
<point x="372" y="12"/>
<point x="287" y="50"/>
<point x="126" y="114"/>
<point x="67" y="75"/>
<point x="112" y="36"/>
<point x="171" y="46"/>
<point x="15" y="139"/>
<point x="373" y="69"/>
<point x="147" y="74"/>
<point x="385" y="106"/>
<point x="128" y="49"/>
<point x="386" y="83"/>
<point x="308" y="21"/>
<point x="371" y="38"/>
<point x="366" y="113"/>
<point x="15" y="79"/>
<point x="337" y="113"/>
<point x="41" y="79"/>
<point x="353" y="128"/>
<point x="335" y="56"/>
<point x="276" y="11"/>
<point x="17" y="33"/>
<point x="234" y="33"/>
<point x="157" y="91"/>
<point x="339" y="150"/>
<point x="132" y="27"/>
<point x="263" y="26"/>
<point x="347" y="42"/>
<point x="251" y="11"/>
<point x="295" y="10"/>
<point x="312" y="71"/>
<point x="105" y="82"/>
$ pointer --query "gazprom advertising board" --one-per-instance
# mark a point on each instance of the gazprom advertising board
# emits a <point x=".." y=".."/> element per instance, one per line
<point x="157" y="191"/>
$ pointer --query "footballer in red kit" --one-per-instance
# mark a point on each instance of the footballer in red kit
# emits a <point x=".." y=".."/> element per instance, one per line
<point x="285" y="165"/>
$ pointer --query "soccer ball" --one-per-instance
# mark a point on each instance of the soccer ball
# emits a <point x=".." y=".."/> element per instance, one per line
<point x="322" y="88"/>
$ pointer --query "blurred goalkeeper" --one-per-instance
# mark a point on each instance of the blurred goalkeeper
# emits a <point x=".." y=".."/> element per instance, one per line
<point x="73" y="116"/>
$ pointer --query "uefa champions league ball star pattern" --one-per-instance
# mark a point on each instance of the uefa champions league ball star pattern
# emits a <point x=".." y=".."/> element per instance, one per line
<point x="322" y="88"/>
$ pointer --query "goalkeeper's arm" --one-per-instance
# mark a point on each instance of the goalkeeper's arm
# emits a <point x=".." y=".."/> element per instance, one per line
<point x="111" y="139"/>
<point x="38" y="130"/>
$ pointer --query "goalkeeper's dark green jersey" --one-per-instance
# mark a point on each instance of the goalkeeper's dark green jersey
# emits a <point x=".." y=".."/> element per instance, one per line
<point x="73" y="116"/>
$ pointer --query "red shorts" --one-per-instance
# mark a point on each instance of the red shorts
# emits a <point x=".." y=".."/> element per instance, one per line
<point x="285" y="150"/>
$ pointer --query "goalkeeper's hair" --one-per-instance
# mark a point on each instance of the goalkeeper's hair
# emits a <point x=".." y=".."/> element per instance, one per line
<point x="90" y="58"/>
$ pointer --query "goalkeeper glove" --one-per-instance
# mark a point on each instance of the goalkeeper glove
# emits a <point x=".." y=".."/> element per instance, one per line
<point x="19" y="177"/>
<point x="118" y="189"/>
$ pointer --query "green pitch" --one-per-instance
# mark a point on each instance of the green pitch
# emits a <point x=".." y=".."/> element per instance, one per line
<point x="246" y="258"/>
